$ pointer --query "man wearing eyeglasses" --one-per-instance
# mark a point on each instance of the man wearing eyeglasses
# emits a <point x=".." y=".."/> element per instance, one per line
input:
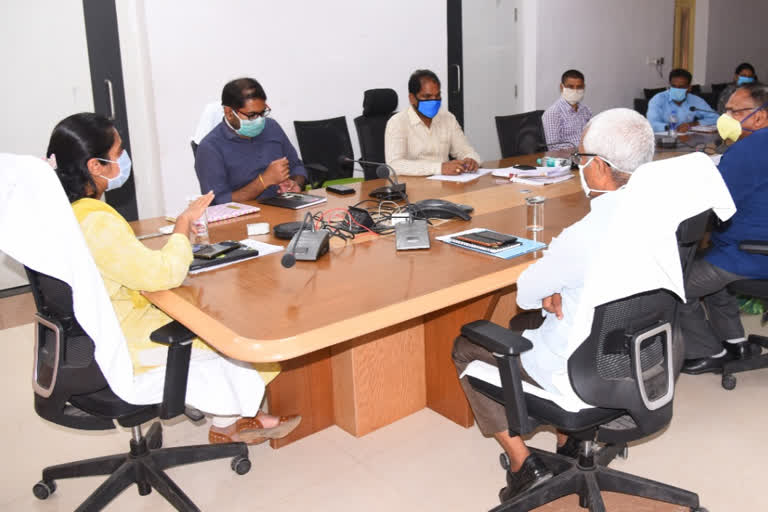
<point x="718" y="337"/>
<point x="247" y="156"/>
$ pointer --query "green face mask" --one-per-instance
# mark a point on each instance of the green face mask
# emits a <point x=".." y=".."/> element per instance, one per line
<point x="249" y="127"/>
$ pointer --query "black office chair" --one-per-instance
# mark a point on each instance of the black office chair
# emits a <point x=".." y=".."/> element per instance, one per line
<point x="321" y="144"/>
<point x="521" y="134"/>
<point x="757" y="288"/>
<point x="70" y="390"/>
<point x="626" y="368"/>
<point x="194" y="145"/>
<point x="378" y="106"/>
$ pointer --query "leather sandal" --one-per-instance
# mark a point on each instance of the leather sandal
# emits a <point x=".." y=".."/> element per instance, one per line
<point x="215" y="437"/>
<point x="253" y="426"/>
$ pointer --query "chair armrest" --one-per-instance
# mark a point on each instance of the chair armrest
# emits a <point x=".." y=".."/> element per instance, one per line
<point x="754" y="246"/>
<point x="317" y="174"/>
<point x="179" y="341"/>
<point x="495" y="338"/>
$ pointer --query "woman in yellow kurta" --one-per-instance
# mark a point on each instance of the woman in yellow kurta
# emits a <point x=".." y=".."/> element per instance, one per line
<point x="89" y="159"/>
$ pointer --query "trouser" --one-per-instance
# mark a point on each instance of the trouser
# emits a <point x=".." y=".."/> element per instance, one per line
<point x="706" y="288"/>
<point x="490" y="415"/>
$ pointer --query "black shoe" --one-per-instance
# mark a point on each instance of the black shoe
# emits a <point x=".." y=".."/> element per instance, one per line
<point x="706" y="364"/>
<point x="570" y="448"/>
<point x="740" y="350"/>
<point x="531" y="474"/>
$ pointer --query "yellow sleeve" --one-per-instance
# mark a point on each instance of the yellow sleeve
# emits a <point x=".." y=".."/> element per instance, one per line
<point x="124" y="259"/>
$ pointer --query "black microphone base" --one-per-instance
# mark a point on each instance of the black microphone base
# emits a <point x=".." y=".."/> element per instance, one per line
<point x="390" y="192"/>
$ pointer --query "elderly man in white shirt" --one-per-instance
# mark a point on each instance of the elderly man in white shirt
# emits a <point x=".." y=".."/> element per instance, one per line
<point x="420" y="140"/>
<point x="624" y="246"/>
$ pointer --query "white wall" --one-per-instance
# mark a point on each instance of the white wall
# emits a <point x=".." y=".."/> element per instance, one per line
<point x="314" y="60"/>
<point x="492" y="69"/>
<point x="45" y="78"/>
<point x="737" y="33"/>
<point x="608" y="41"/>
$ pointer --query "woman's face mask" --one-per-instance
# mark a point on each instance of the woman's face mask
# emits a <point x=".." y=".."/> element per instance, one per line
<point x="742" y="80"/>
<point x="124" y="162"/>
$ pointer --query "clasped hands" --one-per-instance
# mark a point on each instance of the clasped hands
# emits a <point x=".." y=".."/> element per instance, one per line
<point x="278" y="173"/>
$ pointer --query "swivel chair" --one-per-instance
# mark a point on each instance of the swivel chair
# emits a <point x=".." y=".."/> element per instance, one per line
<point x="521" y="134"/>
<point x="70" y="390"/>
<point x="378" y="106"/>
<point x="321" y="144"/>
<point x="626" y="368"/>
<point x="757" y="288"/>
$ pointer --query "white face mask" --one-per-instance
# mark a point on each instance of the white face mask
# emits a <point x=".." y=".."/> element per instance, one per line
<point x="573" y="96"/>
<point x="585" y="187"/>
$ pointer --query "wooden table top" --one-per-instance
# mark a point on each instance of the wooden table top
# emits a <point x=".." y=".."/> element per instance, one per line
<point x="259" y="311"/>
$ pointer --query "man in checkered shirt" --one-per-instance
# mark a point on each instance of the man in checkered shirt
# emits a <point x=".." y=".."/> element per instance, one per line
<point x="566" y="118"/>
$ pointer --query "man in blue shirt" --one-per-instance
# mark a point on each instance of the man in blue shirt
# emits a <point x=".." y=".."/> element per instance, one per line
<point x="247" y="156"/>
<point x="671" y="109"/>
<point x="744" y="169"/>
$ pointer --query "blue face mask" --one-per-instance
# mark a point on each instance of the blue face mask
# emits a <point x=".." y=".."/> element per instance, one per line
<point x="428" y="108"/>
<point x="677" y="94"/>
<point x="745" y="80"/>
<point x="249" y="127"/>
<point x="124" y="162"/>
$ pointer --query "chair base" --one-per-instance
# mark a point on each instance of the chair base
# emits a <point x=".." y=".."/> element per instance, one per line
<point x="145" y="466"/>
<point x="756" y="362"/>
<point x="588" y="479"/>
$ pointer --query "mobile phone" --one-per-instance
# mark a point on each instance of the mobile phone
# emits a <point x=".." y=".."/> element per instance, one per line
<point x="340" y="189"/>
<point x="208" y="252"/>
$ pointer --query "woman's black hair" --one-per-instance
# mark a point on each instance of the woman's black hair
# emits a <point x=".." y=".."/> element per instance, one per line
<point x="74" y="141"/>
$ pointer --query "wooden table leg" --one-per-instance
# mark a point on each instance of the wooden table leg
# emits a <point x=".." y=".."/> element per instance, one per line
<point x="305" y="386"/>
<point x="444" y="393"/>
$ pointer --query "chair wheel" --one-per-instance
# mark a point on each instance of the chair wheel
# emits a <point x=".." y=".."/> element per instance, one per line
<point x="241" y="465"/>
<point x="699" y="509"/>
<point x="504" y="461"/>
<point x="624" y="453"/>
<point x="728" y="381"/>
<point x="42" y="489"/>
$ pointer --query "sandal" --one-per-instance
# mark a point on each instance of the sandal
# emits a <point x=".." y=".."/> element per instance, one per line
<point x="253" y="426"/>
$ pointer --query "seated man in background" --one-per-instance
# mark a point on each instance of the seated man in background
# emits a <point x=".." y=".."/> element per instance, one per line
<point x="671" y="109"/>
<point x="420" y="140"/>
<point x="565" y="119"/>
<point x="247" y="156"/>
<point x="744" y="167"/>
<point x="614" y="144"/>
<point x="743" y="75"/>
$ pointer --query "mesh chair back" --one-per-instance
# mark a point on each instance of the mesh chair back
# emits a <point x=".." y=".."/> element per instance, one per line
<point x="378" y="107"/>
<point x="521" y="134"/>
<point x="616" y="368"/>
<point x="323" y="142"/>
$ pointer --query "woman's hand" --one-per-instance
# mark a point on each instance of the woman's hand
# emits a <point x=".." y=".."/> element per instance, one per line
<point x="194" y="211"/>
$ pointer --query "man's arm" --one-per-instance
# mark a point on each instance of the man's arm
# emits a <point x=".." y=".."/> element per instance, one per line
<point x="702" y="115"/>
<point x="396" y="151"/>
<point x="655" y="113"/>
<point x="563" y="266"/>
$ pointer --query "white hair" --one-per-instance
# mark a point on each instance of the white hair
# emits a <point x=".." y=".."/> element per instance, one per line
<point x="621" y="136"/>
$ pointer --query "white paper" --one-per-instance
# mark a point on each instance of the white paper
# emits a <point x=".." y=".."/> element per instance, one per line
<point x="460" y="178"/>
<point x="508" y="172"/>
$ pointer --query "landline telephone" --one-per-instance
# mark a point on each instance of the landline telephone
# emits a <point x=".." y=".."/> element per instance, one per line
<point x="440" y="209"/>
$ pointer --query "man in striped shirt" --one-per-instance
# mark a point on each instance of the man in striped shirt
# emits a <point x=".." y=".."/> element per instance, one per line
<point x="566" y="118"/>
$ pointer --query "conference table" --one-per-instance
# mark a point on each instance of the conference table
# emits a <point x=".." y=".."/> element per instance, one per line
<point x="364" y="334"/>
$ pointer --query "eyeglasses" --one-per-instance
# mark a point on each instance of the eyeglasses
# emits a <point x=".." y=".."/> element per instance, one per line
<point x="731" y="111"/>
<point x="576" y="158"/>
<point x="255" y="115"/>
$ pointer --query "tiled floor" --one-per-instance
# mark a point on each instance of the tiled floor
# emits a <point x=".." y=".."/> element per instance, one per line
<point x="715" y="446"/>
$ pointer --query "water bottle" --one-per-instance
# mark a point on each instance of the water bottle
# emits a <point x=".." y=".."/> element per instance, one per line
<point x="673" y="124"/>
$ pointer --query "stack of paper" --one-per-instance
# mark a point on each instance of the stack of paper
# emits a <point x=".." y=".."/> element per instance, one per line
<point x="460" y="178"/>
<point x="537" y="176"/>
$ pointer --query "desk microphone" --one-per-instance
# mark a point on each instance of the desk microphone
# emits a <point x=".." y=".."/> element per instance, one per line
<point x="315" y="244"/>
<point x="697" y="109"/>
<point x="394" y="192"/>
